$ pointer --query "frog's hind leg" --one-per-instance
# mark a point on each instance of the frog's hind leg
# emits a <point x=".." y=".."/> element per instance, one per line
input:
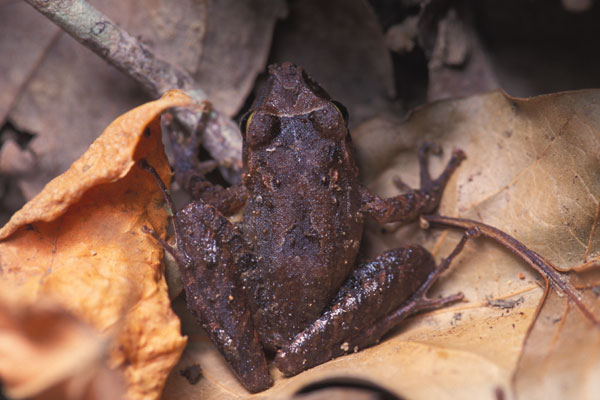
<point x="376" y="298"/>
<point x="210" y="254"/>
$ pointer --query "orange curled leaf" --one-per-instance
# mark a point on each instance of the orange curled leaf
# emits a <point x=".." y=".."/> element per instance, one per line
<point x="79" y="243"/>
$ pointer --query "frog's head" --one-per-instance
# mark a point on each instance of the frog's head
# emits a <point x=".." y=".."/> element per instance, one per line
<point x="290" y="101"/>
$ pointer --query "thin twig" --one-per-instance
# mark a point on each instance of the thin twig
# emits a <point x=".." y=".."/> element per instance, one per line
<point x="115" y="45"/>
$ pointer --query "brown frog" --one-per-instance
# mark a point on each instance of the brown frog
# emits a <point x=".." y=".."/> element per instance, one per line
<point x="286" y="278"/>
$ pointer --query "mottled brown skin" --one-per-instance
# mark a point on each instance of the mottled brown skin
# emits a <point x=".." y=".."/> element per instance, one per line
<point x="286" y="278"/>
<point x="303" y="218"/>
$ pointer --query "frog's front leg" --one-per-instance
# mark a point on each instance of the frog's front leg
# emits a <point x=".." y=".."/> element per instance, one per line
<point x="211" y="254"/>
<point x="377" y="297"/>
<point x="409" y="206"/>
<point x="190" y="173"/>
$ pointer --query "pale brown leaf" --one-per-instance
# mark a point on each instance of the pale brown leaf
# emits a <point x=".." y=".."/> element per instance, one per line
<point x="21" y="52"/>
<point x="532" y="171"/>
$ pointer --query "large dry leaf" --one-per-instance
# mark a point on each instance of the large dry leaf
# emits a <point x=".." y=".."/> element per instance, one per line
<point x="79" y="244"/>
<point x="532" y="170"/>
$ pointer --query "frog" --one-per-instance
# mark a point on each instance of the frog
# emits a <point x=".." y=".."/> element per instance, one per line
<point x="284" y="284"/>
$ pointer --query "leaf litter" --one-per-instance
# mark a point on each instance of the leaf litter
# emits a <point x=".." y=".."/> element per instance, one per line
<point x="494" y="185"/>
<point x="505" y="184"/>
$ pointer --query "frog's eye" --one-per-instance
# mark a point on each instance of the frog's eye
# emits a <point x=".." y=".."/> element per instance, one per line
<point x="329" y="121"/>
<point x="245" y="121"/>
<point x="258" y="128"/>
<point x="342" y="110"/>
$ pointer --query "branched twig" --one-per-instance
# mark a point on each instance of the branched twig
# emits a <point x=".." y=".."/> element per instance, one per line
<point x="115" y="45"/>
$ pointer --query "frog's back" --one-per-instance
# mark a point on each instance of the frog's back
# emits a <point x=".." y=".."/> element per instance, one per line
<point x="303" y="217"/>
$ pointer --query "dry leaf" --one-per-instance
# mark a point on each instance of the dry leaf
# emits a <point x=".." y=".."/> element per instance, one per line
<point x="79" y="243"/>
<point x="66" y="101"/>
<point x="21" y="52"/>
<point x="223" y="44"/>
<point x="531" y="171"/>
<point x="459" y="65"/>
<point x="233" y="57"/>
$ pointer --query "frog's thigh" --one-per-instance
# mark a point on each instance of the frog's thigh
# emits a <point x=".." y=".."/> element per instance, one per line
<point x="213" y="250"/>
<point x="375" y="289"/>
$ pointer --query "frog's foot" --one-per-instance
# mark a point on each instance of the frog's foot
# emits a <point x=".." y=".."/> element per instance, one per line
<point x="419" y="300"/>
<point x="185" y="146"/>
<point x="376" y="298"/>
<point x="178" y="255"/>
<point x="433" y="188"/>
<point x="189" y="171"/>
<point x="410" y="205"/>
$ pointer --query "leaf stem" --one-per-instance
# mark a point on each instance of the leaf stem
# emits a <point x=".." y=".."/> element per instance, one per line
<point x="545" y="268"/>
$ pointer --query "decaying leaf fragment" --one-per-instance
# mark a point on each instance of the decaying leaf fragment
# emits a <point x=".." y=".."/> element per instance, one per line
<point x="79" y="244"/>
<point x="45" y="352"/>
